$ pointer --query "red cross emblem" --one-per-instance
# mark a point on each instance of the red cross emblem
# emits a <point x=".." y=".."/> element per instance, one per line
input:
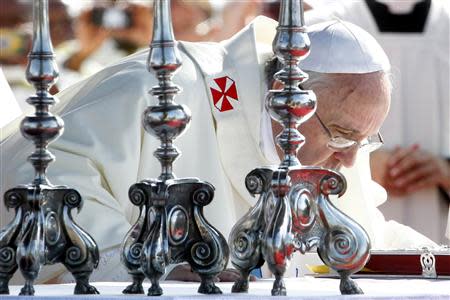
<point x="225" y="94"/>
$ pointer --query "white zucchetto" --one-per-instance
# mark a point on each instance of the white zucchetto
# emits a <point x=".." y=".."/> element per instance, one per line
<point x="341" y="47"/>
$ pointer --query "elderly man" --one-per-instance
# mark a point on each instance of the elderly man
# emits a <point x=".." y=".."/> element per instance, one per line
<point x="104" y="149"/>
<point x="414" y="166"/>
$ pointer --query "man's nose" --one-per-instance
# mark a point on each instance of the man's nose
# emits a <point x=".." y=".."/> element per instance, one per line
<point x="347" y="157"/>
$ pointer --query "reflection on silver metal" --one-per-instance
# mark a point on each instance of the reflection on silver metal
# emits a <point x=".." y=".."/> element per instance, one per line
<point x="43" y="231"/>
<point x="178" y="225"/>
<point x="171" y="227"/>
<point x="428" y="263"/>
<point x="294" y="211"/>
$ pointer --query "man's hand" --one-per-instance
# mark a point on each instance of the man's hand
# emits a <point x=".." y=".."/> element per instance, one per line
<point x="410" y="169"/>
<point x="184" y="273"/>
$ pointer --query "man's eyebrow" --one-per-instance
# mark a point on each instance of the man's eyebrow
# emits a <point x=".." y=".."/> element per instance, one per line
<point x="354" y="133"/>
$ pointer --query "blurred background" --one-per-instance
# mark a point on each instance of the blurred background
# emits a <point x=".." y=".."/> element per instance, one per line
<point x="88" y="35"/>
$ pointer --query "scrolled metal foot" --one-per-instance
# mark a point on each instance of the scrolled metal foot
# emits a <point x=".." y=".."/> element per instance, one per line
<point x="155" y="289"/>
<point x="82" y="286"/>
<point x="244" y="241"/>
<point x="344" y="245"/>
<point x="207" y="285"/>
<point x="81" y="255"/>
<point x="8" y="241"/>
<point x="241" y="284"/>
<point x="4" y="290"/>
<point x="278" y="289"/>
<point x="28" y="289"/>
<point x="29" y="254"/>
<point x="8" y="267"/>
<point x="348" y="286"/>
<point x="136" y="287"/>
<point x="133" y="242"/>
<point x="4" y="281"/>
<point x="154" y="257"/>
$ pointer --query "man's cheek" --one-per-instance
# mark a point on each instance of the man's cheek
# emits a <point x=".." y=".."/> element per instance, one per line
<point x="310" y="155"/>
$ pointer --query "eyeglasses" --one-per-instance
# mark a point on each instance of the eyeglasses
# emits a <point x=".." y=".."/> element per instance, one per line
<point x="339" y="143"/>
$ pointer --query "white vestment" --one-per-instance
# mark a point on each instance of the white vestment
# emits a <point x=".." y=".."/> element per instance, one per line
<point x="9" y="107"/>
<point x="420" y="108"/>
<point x="104" y="149"/>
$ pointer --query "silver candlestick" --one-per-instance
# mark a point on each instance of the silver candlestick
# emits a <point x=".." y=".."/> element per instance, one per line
<point x="294" y="211"/>
<point x="43" y="231"/>
<point x="171" y="227"/>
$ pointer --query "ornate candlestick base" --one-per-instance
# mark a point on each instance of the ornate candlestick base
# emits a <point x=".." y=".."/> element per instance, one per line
<point x="341" y="243"/>
<point x="172" y="229"/>
<point x="43" y="233"/>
